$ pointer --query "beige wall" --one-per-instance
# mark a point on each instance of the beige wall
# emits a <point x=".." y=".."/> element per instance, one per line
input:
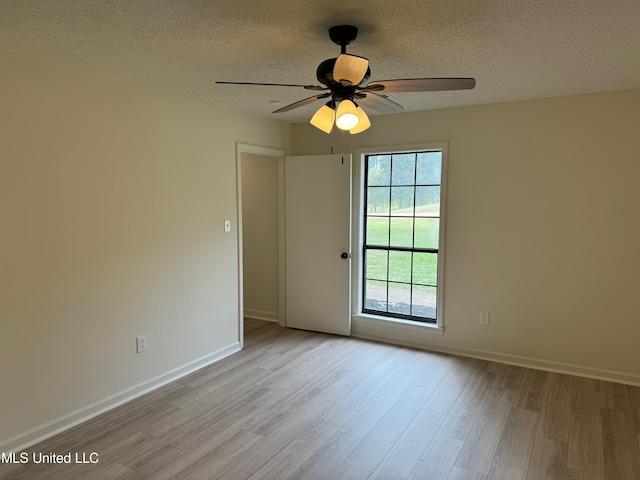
<point x="260" y="235"/>
<point x="112" y="203"/>
<point x="541" y="227"/>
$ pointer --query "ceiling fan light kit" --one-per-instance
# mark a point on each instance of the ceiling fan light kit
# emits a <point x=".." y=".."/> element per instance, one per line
<point x="323" y="118"/>
<point x="363" y="124"/>
<point x="346" y="115"/>
<point x="350" y="70"/>
<point x="346" y="81"/>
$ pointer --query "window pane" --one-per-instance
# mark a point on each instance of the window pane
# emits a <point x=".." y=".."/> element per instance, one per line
<point x="400" y="266"/>
<point x="379" y="168"/>
<point x="399" y="298"/>
<point x="375" y="295"/>
<point x="425" y="268"/>
<point x="427" y="233"/>
<point x="423" y="301"/>
<point x="376" y="264"/>
<point x="377" y="231"/>
<point x="402" y="200"/>
<point x="429" y="168"/>
<point x="378" y="200"/>
<point x="427" y="201"/>
<point x="402" y="232"/>
<point x="404" y="166"/>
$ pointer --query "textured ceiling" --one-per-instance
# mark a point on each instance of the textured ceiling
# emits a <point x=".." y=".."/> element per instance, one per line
<point x="516" y="49"/>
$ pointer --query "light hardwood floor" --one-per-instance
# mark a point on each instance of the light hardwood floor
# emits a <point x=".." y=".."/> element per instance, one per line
<point x="302" y="405"/>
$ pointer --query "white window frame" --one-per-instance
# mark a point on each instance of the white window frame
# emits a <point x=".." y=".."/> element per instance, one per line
<point x="381" y="322"/>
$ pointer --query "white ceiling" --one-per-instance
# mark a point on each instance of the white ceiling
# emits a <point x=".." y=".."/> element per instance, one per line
<point x="516" y="49"/>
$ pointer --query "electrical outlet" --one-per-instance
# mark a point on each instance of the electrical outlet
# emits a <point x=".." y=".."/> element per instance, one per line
<point x="141" y="343"/>
<point x="227" y="226"/>
<point x="484" y="318"/>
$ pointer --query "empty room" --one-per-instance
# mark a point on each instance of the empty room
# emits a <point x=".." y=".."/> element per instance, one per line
<point x="319" y="240"/>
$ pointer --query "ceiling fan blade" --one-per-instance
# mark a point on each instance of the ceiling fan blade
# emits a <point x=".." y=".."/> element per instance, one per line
<point x="306" y="87"/>
<point x="421" y="85"/>
<point x="302" y="103"/>
<point x="350" y="68"/>
<point x="378" y="102"/>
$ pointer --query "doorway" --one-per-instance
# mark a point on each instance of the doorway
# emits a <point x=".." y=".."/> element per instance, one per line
<point x="260" y="223"/>
<point x="308" y="260"/>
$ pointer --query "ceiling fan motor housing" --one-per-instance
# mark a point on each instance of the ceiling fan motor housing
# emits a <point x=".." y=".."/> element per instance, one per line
<point x="324" y="72"/>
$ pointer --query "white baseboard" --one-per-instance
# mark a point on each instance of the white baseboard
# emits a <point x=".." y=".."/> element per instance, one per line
<point x="65" y="422"/>
<point x="373" y="329"/>
<point x="258" y="315"/>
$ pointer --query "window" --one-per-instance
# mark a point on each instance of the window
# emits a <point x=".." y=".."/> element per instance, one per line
<point x="402" y="232"/>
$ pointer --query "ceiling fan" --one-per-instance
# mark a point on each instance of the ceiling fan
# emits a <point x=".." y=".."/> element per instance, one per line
<point x="346" y="85"/>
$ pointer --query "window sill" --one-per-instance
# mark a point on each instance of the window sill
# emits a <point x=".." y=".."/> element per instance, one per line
<point x="392" y="330"/>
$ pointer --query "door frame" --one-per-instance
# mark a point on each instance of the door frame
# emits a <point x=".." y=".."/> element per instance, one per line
<point x="279" y="155"/>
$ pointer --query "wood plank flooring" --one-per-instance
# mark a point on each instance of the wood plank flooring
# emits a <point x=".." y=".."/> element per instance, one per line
<point x="302" y="405"/>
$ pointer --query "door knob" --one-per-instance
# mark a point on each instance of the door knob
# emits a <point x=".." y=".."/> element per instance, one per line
<point x="344" y="255"/>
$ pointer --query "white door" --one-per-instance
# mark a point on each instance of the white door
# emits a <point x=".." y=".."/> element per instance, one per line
<point x="318" y="243"/>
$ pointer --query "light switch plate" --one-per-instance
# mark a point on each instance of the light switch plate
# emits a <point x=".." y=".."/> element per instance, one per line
<point x="141" y="343"/>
